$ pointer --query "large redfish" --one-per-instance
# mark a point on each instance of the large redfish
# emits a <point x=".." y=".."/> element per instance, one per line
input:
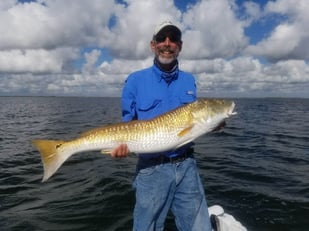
<point x="166" y="132"/>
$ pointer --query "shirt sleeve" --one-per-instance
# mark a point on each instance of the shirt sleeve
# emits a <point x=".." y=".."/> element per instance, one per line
<point x="128" y="100"/>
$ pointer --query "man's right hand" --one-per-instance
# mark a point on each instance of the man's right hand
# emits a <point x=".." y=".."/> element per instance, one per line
<point x="121" y="151"/>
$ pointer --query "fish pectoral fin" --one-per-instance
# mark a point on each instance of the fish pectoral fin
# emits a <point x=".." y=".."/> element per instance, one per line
<point x="185" y="131"/>
<point x="106" y="151"/>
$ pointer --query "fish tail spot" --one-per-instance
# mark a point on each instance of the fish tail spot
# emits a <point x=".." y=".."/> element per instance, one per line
<point x="52" y="157"/>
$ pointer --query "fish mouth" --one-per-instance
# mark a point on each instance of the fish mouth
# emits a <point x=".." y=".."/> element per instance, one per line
<point x="231" y="109"/>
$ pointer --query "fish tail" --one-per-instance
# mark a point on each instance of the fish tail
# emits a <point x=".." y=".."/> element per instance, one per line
<point x="52" y="156"/>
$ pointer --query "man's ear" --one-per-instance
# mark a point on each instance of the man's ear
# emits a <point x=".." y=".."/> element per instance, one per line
<point x="152" y="45"/>
<point x="180" y="45"/>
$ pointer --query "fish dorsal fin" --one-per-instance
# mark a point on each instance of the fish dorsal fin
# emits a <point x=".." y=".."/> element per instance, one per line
<point x="185" y="131"/>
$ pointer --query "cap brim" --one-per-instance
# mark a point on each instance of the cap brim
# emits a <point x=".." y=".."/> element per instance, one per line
<point x="171" y="29"/>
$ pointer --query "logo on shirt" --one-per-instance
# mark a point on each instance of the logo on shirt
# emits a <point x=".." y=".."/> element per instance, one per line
<point x="190" y="92"/>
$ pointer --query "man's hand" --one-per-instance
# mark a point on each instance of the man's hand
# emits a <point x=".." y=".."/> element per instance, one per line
<point x="121" y="151"/>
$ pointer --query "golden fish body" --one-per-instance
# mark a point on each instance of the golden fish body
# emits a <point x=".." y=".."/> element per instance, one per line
<point x="166" y="132"/>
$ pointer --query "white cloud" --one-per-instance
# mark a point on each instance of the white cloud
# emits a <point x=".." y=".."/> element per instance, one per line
<point x="247" y="76"/>
<point x="41" y="42"/>
<point x="36" y="61"/>
<point x="6" y="4"/>
<point x="290" y="38"/>
<point x="54" y="23"/>
<point x="209" y="33"/>
<point x="91" y="60"/>
<point x="135" y="25"/>
<point x="253" y="11"/>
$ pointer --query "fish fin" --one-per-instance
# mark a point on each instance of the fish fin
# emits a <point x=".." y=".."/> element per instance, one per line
<point x="106" y="151"/>
<point x="51" y="157"/>
<point x="185" y="131"/>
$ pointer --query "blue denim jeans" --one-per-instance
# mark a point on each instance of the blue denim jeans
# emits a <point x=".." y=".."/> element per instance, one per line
<point x="175" y="186"/>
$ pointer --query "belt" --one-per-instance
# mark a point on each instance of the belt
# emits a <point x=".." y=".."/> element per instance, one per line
<point x="175" y="159"/>
<point x="163" y="159"/>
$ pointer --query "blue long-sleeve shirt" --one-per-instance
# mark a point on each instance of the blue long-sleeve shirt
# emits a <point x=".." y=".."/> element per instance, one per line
<point x="146" y="94"/>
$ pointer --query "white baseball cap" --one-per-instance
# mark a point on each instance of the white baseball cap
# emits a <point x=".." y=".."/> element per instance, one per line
<point x="167" y="26"/>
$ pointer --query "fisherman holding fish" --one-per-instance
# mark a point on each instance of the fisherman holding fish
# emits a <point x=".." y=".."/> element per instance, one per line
<point x="166" y="180"/>
<point x="161" y="119"/>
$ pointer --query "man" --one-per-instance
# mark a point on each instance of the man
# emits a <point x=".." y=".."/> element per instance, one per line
<point x="166" y="180"/>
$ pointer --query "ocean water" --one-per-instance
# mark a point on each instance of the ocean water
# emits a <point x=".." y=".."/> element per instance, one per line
<point x="257" y="168"/>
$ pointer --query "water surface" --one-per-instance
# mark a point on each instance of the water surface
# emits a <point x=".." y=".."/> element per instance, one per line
<point x="257" y="168"/>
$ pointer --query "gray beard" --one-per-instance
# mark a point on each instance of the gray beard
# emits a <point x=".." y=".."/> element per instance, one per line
<point x="166" y="61"/>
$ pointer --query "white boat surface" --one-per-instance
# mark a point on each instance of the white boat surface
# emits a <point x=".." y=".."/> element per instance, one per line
<point x="222" y="221"/>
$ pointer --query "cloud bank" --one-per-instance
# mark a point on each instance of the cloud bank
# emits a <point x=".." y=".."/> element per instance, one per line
<point x="87" y="48"/>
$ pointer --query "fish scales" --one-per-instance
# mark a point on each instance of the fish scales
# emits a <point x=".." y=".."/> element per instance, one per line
<point x="165" y="132"/>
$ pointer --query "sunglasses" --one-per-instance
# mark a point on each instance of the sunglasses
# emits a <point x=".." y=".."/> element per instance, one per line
<point x="162" y="37"/>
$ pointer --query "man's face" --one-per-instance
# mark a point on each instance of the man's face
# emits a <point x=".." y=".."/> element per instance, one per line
<point x="166" y="47"/>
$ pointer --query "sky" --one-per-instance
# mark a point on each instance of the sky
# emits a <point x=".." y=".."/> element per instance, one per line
<point x="234" y="48"/>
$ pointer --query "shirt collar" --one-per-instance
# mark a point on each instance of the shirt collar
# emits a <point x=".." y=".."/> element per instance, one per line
<point x="167" y="76"/>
